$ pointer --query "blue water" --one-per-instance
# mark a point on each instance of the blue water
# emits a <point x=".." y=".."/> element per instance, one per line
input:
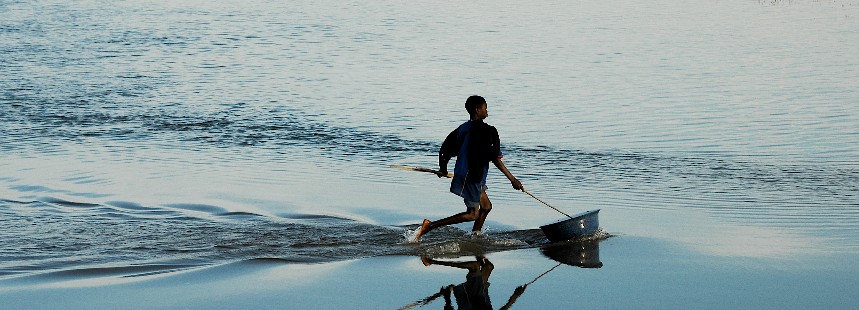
<point x="185" y="134"/>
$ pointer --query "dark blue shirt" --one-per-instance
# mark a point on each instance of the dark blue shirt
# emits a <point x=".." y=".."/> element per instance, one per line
<point x="462" y="184"/>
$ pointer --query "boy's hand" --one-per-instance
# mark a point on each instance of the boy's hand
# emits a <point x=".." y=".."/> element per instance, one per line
<point x="442" y="173"/>
<point x="517" y="185"/>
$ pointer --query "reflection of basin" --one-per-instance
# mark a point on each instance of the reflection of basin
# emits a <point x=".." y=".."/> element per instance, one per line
<point x="581" y="224"/>
<point x="585" y="254"/>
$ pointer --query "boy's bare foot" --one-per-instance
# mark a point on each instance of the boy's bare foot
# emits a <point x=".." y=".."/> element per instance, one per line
<point x="422" y="230"/>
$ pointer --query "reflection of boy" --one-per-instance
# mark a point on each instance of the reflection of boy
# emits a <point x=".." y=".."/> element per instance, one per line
<point x="474" y="292"/>
<point x="475" y="144"/>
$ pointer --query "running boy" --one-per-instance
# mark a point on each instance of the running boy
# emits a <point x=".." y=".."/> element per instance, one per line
<point x="474" y="144"/>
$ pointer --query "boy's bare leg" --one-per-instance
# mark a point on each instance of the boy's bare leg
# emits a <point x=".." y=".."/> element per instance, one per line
<point x="485" y="207"/>
<point x="428" y="225"/>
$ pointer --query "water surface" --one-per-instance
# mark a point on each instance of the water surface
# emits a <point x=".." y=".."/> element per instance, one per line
<point x="141" y="133"/>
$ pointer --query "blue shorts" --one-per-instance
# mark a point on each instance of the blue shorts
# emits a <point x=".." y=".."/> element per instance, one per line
<point x="471" y="205"/>
<point x="474" y="204"/>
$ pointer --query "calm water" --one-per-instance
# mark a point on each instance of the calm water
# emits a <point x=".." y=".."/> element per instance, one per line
<point x="154" y="133"/>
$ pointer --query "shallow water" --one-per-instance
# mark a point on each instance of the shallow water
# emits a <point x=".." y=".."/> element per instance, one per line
<point x="165" y="134"/>
<point x="636" y="273"/>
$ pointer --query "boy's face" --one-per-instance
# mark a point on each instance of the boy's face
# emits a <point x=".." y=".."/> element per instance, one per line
<point x="481" y="112"/>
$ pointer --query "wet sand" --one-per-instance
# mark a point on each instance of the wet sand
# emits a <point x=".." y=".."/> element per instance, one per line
<point x="633" y="272"/>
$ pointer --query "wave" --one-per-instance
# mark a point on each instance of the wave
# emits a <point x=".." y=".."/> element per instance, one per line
<point x="81" y="240"/>
<point x="728" y="186"/>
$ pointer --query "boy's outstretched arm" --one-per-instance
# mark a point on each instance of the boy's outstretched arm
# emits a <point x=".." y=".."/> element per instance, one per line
<point x="500" y="164"/>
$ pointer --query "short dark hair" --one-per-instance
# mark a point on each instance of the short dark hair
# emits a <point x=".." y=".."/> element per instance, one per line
<point x="473" y="103"/>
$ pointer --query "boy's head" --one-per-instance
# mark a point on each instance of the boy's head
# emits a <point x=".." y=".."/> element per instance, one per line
<point x="473" y="103"/>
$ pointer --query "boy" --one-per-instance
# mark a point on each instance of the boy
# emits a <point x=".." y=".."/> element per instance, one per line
<point x="474" y="144"/>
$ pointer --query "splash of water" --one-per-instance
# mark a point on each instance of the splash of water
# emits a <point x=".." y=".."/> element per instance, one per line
<point x="410" y="236"/>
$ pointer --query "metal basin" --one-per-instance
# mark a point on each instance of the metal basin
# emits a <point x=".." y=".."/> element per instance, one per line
<point x="581" y="224"/>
